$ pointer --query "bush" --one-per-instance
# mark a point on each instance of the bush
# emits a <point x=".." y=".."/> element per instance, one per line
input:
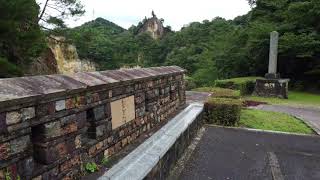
<point x="223" y="111"/>
<point x="244" y="84"/>
<point x="220" y="92"/>
<point x="190" y="83"/>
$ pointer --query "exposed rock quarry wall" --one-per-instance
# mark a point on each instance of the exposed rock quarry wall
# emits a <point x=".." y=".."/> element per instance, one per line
<point x="67" y="58"/>
<point x="50" y="126"/>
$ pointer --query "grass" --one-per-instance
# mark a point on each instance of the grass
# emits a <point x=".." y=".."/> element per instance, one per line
<point x="274" y="121"/>
<point x="295" y="99"/>
<point x="220" y="92"/>
<point x="240" y="80"/>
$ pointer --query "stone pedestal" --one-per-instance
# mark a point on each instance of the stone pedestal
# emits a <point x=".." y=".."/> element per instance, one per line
<point x="272" y="88"/>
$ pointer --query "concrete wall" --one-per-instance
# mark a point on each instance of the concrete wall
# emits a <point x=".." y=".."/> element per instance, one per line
<point x="52" y="125"/>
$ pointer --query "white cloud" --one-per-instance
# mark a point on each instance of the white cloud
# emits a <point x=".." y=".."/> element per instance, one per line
<point x="176" y="13"/>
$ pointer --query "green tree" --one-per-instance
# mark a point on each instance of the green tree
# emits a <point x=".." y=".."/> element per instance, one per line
<point x="21" y="39"/>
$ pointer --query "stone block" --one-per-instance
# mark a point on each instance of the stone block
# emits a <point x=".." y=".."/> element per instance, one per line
<point x="70" y="103"/>
<point x="54" y="152"/>
<point x="99" y="113"/>
<point x="69" y="164"/>
<point x="4" y="151"/>
<point x="19" y="145"/>
<point x="3" y="124"/>
<point x="80" y="101"/>
<point x="60" y="105"/>
<point x="28" y="113"/>
<point x="69" y="128"/>
<point x="78" y="142"/>
<point x="13" y="117"/>
<point x="45" y="109"/>
<point x="101" y="130"/>
<point x="26" y="167"/>
<point x="81" y="119"/>
<point x="51" y="130"/>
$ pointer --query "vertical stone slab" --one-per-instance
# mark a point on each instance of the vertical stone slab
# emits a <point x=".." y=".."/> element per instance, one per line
<point x="273" y="54"/>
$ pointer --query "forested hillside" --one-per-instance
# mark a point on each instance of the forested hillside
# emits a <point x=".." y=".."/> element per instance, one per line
<point x="218" y="48"/>
<point x="209" y="50"/>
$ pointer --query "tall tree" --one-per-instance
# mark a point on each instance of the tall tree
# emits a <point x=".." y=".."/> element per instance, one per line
<point x="21" y="39"/>
<point x="54" y="12"/>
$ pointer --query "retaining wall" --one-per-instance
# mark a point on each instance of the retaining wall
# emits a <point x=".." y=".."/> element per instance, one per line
<point x="50" y="126"/>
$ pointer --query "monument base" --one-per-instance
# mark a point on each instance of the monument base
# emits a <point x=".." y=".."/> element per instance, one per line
<point x="272" y="88"/>
<point x="272" y="76"/>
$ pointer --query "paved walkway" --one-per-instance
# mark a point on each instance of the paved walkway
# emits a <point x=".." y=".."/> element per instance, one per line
<point x="236" y="154"/>
<point x="193" y="96"/>
<point x="310" y="116"/>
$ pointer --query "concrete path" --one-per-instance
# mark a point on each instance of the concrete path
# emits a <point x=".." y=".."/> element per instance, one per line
<point x="310" y="116"/>
<point x="198" y="97"/>
<point x="236" y="154"/>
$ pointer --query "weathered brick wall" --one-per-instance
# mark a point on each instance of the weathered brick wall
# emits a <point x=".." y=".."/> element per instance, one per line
<point x="52" y="125"/>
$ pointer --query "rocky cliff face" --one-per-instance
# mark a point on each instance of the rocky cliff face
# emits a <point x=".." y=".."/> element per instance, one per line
<point x="154" y="26"/>
<point x="60" y="58"/>
<point x="67" y="58"/>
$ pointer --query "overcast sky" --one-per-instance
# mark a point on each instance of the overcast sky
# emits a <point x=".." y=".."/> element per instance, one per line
<point x="176" y="13"/>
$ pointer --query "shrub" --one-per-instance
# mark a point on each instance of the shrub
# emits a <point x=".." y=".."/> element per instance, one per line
<point x="220" y="92"/>
<point x="244" y="84"/>
<point x="91" y="167"/>
<point x="223" y="111"/>
<point x="190" y="83"/>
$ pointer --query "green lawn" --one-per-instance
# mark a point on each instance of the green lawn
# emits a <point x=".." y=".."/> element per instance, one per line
<point x="295" y="99"/>
<point x="274" y="121"/>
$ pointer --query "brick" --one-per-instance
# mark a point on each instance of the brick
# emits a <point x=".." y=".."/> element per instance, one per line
<point x="75" y="161"/>
<point x="28" y="113"/>
<point x="19" y="145"/>
<point x="110" y="93"/>
<point x="80" y="101"/>
<point x="101" y="130"/>
<point x="106" y="153"/>
<point x="26" y="167"/>
<point x="77" y="141"/>
<point x="70" y="128"/>
<point x="99" y="113"/>
<point x="68" y="119"/>
<point x="60" y="105"/>
<point x="2" y="173"/>
<point x="37" y="178"/>
<point x="3" y="124"/>
<point x="81" y="119"/>
<point x="52" y="129"/>
<point x="99" y="145"/>
<point x="13" y="117"/>
<point x="70" y="103"/>
<point x="92" y="150"/>
<point x="108" y="110"/>
<point x="124" y="142"/>
<point x="4" y="150"/>
<point x="45" y="109"/>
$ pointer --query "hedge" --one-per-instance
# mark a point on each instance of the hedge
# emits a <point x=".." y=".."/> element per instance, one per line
<point x="223" y="111"/>
<point x="220" y="92"/>
<point x="244" y="84"/>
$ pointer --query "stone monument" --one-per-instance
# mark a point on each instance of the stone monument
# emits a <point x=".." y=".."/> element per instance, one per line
<point x="272" y="85"/>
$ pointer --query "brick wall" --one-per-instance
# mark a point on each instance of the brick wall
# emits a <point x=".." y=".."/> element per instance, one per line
<point x="50" y="126"/>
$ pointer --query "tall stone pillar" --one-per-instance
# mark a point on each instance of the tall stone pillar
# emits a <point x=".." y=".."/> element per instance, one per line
<point x="273" y="56"/>
<point x="272" y="86"/>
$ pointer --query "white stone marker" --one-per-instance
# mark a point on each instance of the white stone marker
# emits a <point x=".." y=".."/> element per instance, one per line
<point x="273" y="54"/>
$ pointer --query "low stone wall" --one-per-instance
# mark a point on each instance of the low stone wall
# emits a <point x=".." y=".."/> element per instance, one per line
<point x="50" y="126"/>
